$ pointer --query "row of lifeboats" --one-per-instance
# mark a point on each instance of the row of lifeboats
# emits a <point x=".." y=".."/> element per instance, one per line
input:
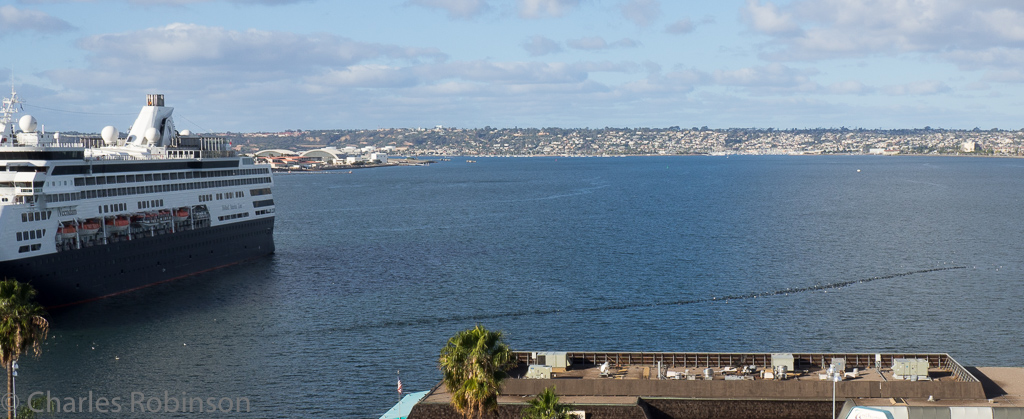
<point x="119" y="224"/>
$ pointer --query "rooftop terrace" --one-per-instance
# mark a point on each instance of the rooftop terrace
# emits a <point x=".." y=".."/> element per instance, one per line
<point x="745" y="385"/>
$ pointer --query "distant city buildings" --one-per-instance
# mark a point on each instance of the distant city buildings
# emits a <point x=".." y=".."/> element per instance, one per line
<point x="336" y="145"/>
<point x="321" y="157"/>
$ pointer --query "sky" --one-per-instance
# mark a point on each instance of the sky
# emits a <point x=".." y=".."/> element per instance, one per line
<point x="274" y="65"/>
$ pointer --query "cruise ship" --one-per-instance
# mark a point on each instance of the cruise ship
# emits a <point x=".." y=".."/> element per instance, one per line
<point x="86" y="218"/>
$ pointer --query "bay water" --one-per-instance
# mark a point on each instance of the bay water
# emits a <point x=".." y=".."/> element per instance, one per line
<point x="376" y="268"/>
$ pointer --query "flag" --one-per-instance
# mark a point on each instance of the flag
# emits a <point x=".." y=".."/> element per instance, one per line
<point x="399" y="385"/>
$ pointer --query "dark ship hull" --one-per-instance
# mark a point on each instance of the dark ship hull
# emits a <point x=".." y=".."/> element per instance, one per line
<point x="90" y="273"/>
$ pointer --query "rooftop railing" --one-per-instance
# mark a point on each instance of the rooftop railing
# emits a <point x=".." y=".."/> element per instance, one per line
<point x="725" y="359"/>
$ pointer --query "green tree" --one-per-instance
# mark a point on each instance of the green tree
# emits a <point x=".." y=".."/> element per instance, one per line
<point x="22" y="329"/>
<point x="37" y="409"/>
<point x="474" y="362"/>
<point x="546" y="406"/>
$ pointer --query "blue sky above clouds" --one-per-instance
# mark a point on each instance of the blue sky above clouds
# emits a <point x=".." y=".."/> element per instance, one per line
<point x="268" y="65"/>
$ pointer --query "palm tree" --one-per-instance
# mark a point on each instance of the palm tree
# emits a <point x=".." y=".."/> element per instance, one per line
<point x="473" y="363"/>
<point x="546" y="406"/>
<point x="22" y="328"/>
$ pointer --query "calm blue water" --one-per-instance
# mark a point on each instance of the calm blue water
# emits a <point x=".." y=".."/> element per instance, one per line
<point x="376" y="269"/>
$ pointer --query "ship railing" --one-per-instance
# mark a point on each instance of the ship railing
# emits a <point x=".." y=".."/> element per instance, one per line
<point x="168" y="155"/>
<point x="184" y="154"/>
<point x="197" y="154"/>
<point x="55" y="144"/>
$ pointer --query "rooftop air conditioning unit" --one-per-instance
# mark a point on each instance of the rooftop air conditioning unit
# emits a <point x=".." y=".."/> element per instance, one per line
<point x="559" y="361"/>
<point x="910" y="368"/>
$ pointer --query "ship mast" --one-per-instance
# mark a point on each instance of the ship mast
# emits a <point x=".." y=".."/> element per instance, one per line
<point x="11" y="106"/>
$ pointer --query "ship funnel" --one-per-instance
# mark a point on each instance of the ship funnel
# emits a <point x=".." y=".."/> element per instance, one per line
<point x="154" y="125"/>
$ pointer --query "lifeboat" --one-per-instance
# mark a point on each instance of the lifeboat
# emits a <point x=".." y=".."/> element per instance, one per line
<point x="181" y="214"/>
<point x="66" y="232"/>
<point x="89" y="227"/>
<point x="117" y="225"/>
<point x="151" y="219"/>
<point x="143" y="218"/>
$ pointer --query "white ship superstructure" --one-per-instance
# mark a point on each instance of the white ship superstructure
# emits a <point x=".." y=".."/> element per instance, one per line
<point x="85" y="218"/>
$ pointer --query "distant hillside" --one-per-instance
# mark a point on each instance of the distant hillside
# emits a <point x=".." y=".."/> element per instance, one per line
<point x="629" y="141"/>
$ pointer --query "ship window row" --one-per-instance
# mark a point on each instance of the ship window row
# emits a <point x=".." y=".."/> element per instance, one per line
<point x="30" y="169"/>
<point x="206" y="198"/>
<point x="263" y="203"/>
<point x="113" y="208"/>
<point x="35" y="216"/>
<point x="22" y="184"/>
<point x="136" y="190"/>
<point x="233" y="216"/>
<point x="157" y="177"/>
<point x="260" y="191"/>
<point x="156" y="203"/>
<point x="265" y="211"/>
<point x="31" y="234"/>
<point x="30" y="248"/>
<point x="42" y="155"/>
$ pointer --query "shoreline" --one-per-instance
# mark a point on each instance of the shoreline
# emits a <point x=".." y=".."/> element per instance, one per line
<point x="711" y="155"/>
<point x="342" y="168"/>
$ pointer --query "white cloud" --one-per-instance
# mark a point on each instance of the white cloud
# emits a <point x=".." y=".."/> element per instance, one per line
<point x="641" y="12"/>
<point x="1006" y="24"/>
<point x="1008" y="75"/>
<point x="849" y="87"/>
<point x="1001" y="57"/>
<point x="455" y="8"/>
<point x="596" y="43"/>
<point x="625" y="43"/>
<point x="768" y="19"/>
<point x="267" y="2"/>
<point x="776" y="75"/>
<point x="180" y="44"/>
<point x="182" y="2"/>
<point x="487" y="75"/>
<point x="772" y="79"/>
<point x="532" y="9"/>
<point x="378" y="76"/>
<point x="673" y="82"/>
<point x="512" y="72"/>
<point x="681" y="26"/>
<point x="930" y="87"/>
<point x="974" y="34"/>
<point x="539" y="45"/>
<point x="14" y="20"/>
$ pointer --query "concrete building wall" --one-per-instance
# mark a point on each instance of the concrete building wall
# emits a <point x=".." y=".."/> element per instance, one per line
<point x="720" y="389"/>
